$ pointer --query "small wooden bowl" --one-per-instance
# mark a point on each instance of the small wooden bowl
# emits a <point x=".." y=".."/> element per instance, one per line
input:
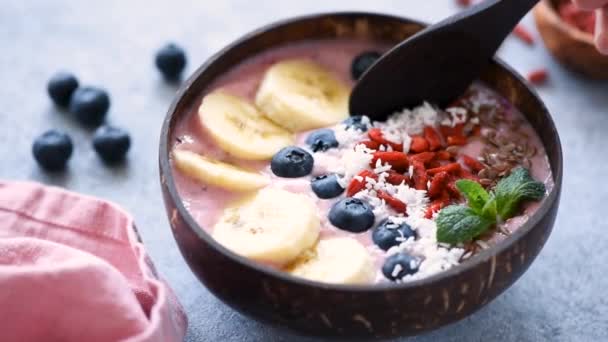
<point x="571" y="46"/>
<point x="346" y="310"/>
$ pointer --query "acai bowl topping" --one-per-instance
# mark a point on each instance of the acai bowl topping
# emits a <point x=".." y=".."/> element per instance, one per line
<point x="274" y="168"/>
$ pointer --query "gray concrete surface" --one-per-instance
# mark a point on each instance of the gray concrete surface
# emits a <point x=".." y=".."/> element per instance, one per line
<point x="111" y="43"/>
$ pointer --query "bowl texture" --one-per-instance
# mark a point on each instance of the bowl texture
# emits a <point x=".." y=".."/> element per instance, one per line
<point x="571" y="46"/>
<point x="364" y="311"/>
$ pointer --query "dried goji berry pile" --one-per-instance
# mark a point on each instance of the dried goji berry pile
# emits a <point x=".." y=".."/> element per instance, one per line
<point x="433" y="163"/>
<point x="583" y="20"/>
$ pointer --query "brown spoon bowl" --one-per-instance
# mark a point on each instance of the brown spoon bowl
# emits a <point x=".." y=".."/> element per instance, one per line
<point x="344" y="310"/>
<point x="571" y="46"/>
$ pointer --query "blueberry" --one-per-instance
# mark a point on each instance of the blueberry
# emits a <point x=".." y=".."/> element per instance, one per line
<point x="111" y="143"/>
<point x="387" y="232"/>
<point x="52" y="150"/>
<point x="171" y="60"/>
<point x="61" y="87"/>
<point x="357" y="122"/>
<point x="90" y="105"/>
<point x="362" y="62"/>
<point x="292" y="162"/>
<point x="322" y="140"/>
<point x="399" y="265"/>
<point x="352" y="214"/>
<point x="326" y="186"/>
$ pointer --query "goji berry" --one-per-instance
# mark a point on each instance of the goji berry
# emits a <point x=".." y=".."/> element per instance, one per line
<point x="538" y="76"/>
<point x="357" y="185"/>
<point x="372" y="145"/>
<point x="397" y="160"/>
<point x="438" y="184"/>
<point x="472" y="163"/>
<point x="449" y="168"/>
<point x="419" y="177"/>
<point x="522" y="33"/>
<point x="396" y="178"/>
<point x="394" y="203"/>
<point x="419" y="144"/>
<point x="375" y="134"/>
<point x="442" y="201"/>
<point x="452" y="189"/>
<point x="457" y="140"/>
<point x="433" y="164"/>
<point x="423" y="157"/>
<point x="447" y="131"/>
<point x="443" y="155"/>
<point x="431" y="135"/>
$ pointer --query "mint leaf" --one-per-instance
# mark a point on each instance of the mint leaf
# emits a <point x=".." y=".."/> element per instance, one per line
<point x="489" y="210"/>
<point x="513" y="190"/>
<point x="457" y="223"/>
<point x="475" y="194"/>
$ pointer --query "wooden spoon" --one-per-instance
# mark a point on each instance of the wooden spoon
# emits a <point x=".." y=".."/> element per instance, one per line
<point x="439" y="63"/>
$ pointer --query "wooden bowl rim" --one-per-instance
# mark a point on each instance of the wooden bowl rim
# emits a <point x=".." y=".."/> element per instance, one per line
<point x="549" y="11"/>
<point x="479" y="258"/>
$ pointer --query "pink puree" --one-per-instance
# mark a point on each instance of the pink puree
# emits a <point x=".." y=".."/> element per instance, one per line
<point x="206" y="203"/>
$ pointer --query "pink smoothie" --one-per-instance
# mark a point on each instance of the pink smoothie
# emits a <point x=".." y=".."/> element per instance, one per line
<point x="206" y="203"/>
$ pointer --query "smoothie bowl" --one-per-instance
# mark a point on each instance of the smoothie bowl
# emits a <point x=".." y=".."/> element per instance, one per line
<point x="296" y="213"/>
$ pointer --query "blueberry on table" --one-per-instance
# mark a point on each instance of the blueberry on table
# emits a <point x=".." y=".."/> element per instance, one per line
<point x="357" y="122"/>
<point x="52" y="150"/>
<point x="292" y="162"/>
<point x="399" y="265"/>
<point x="61" y="87"/>
<point x="171" y="60"/>
<point x="111" y="143"/>
<point x="352" y="214"/>
<point x="322" y="140"/>
<point x="326" y="186"/>
<point x="386" y="234"/>
<point x="90" y="105"/>
<point x="362" y="62"/>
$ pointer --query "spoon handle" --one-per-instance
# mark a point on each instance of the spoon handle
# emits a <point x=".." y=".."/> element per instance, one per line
<point x="492" y="19"/>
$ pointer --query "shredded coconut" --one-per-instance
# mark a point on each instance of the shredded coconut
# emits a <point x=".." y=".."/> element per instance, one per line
<point x="416" y="200"/>
<point x="458" y="114"/>
<point x="410" y="121"/>
<point x="396" y="270"/>
<point x="481" y="99"/>
<point x="353" y="161"/>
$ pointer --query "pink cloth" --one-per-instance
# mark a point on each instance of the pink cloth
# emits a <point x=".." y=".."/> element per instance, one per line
<point x="72" y="269"/>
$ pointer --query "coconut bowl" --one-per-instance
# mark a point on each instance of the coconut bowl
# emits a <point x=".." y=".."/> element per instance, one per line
<point x="383" y="310"/>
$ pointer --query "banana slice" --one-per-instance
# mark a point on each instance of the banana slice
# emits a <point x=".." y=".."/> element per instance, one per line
<point x="217" y="173"/>
<point x="241" y="129"/>
<point x="336" y="260"/>
<point x="273" y="226"/>
<point x="300" y="95"/>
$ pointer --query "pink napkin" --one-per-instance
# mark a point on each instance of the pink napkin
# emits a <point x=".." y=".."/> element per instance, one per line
<point x="72" y="269"/>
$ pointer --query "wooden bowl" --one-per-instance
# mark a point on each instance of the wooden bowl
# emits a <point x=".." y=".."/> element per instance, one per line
<point x="571" y="46"/>
<point x="346" y="310"/>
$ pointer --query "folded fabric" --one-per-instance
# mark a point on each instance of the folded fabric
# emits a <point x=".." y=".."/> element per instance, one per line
<point x="72" y="268"/>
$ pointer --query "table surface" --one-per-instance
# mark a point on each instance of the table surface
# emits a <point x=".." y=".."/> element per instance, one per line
<point x="562" y="297"/>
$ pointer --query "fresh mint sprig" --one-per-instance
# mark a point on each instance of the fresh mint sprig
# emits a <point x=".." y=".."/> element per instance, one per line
<point x="463" y="223"/>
